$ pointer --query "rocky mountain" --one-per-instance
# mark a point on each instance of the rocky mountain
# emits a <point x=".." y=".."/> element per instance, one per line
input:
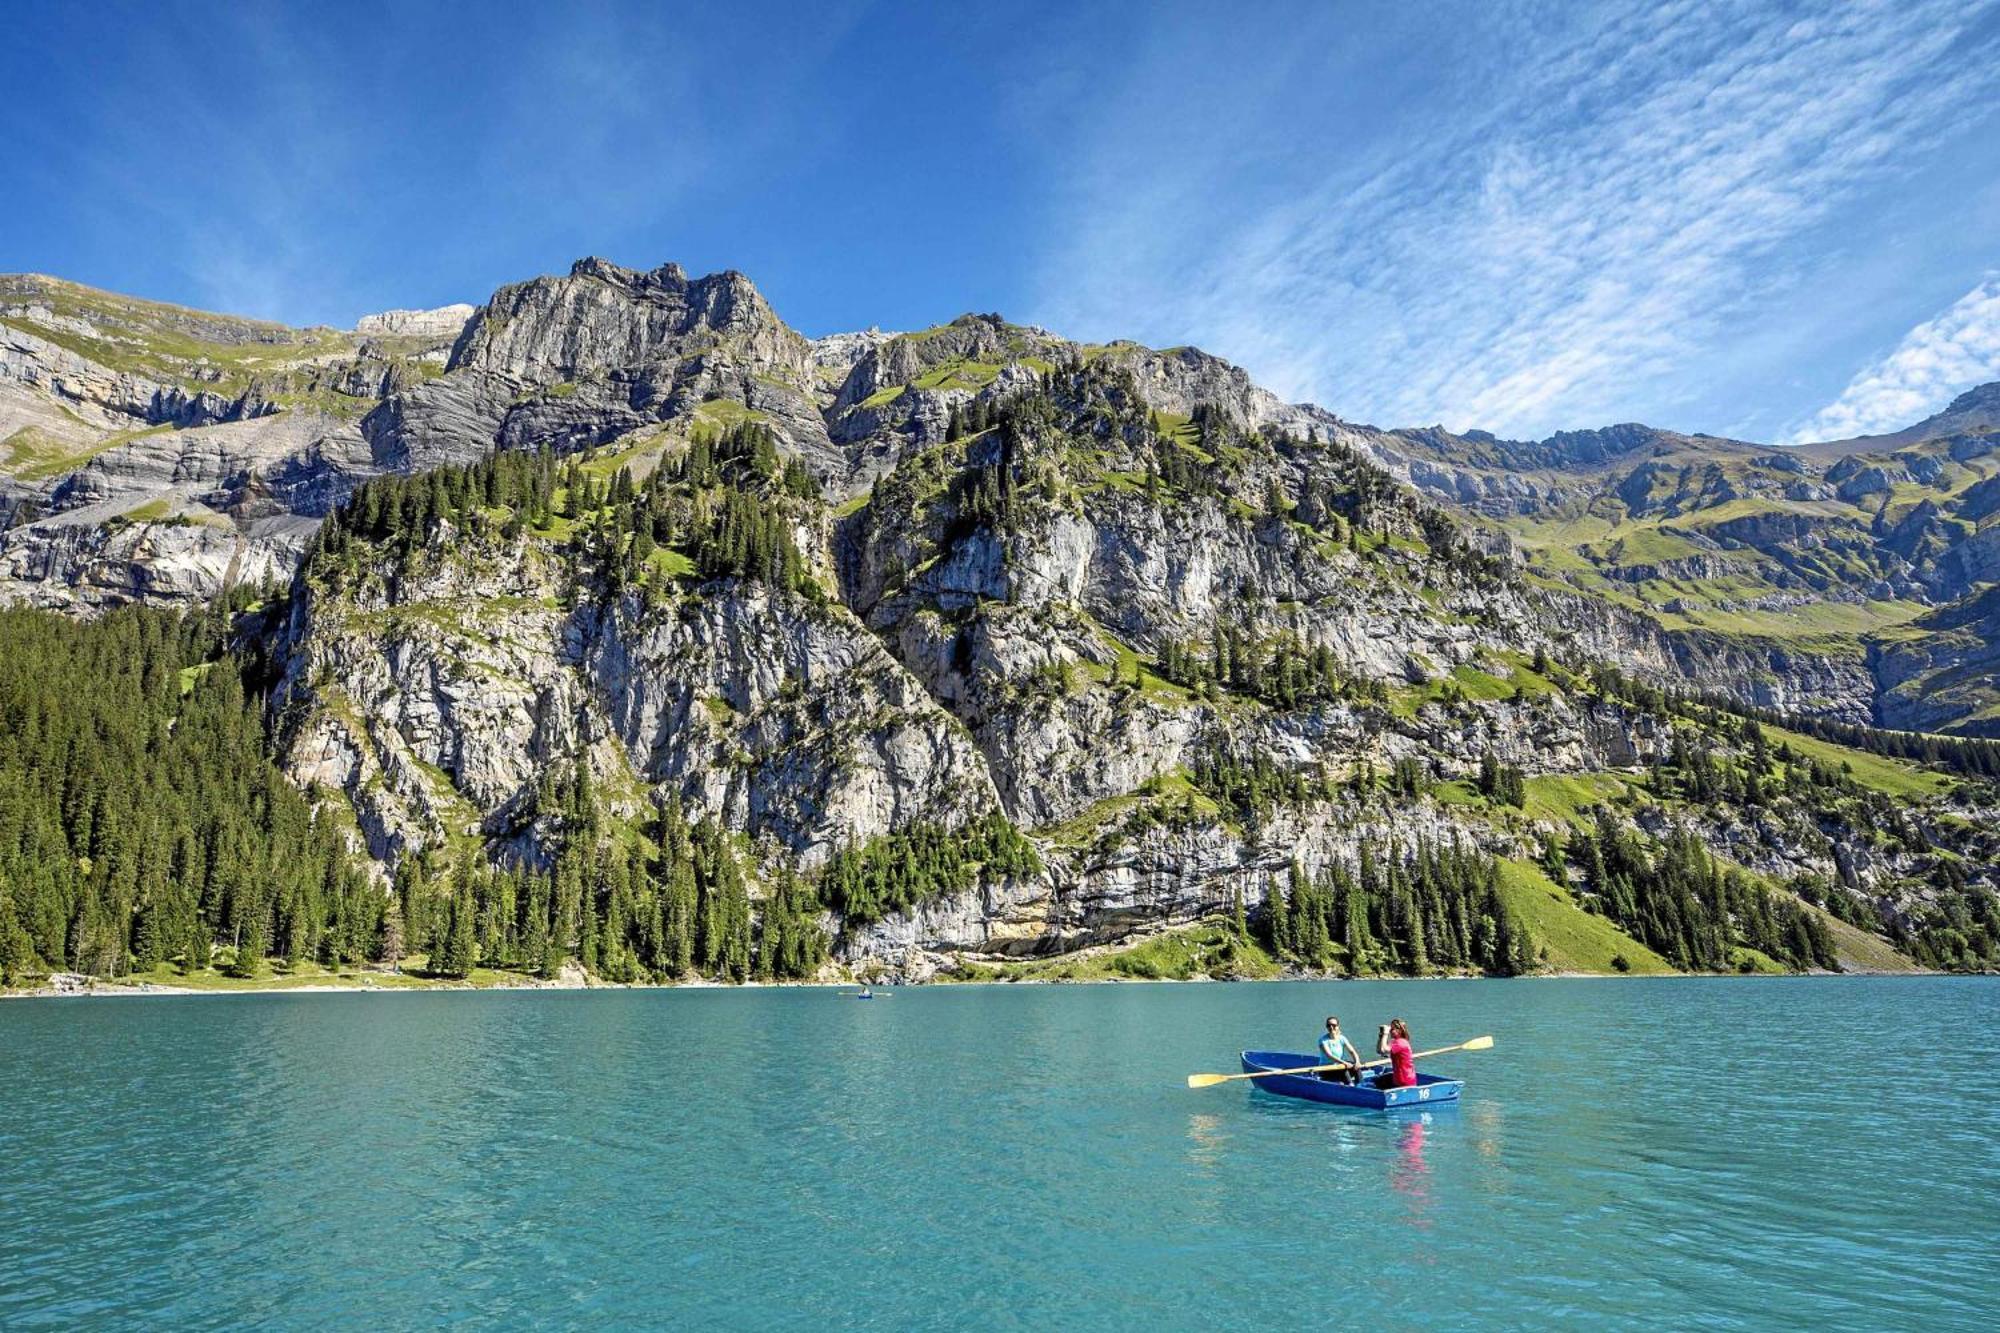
<point x="151" y="453"/>
<point x="1974" y="412"/>
<point x="444" y="323"/>
<point x="1007" y="647"/>
<point x="1859" y="571"/>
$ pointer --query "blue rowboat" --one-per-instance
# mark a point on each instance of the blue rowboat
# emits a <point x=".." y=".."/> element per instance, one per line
<point x="1430" y="1090"/>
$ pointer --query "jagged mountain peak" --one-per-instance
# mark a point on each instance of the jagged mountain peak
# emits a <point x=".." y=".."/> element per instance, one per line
<point x="862" y="601"/>
<point x="641" y="358"/>
<point x="1984" y="395"/>
<point x="602" y="316"/>
<point x="668" y="277"/>
<point x="1977" y="408"/>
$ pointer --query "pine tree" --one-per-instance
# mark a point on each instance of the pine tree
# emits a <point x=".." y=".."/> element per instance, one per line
<point x="196" y="946"/>
<point x="250" y="945"/>
<point x="389" y="951"/>
<point x="454" y="955"/>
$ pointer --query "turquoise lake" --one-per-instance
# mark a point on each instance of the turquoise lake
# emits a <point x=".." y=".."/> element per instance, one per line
<point x="1714" y="1152"/>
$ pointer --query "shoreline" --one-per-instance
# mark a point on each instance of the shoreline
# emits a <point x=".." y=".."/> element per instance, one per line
<point x="405" y="984"/>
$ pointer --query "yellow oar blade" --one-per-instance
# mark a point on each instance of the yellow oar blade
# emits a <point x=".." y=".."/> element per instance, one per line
<point x="1206" y="1080"/>
<point x="1478" y="1044"/>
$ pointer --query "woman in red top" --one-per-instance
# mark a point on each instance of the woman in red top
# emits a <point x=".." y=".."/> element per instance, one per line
<point x="1393" y="1040"/>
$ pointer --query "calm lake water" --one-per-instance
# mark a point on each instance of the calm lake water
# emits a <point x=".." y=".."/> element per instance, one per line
<point x="1726" y="1153"/>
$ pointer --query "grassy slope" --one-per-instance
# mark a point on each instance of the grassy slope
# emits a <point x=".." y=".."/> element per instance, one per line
<point x="1892" y="776"/>
<point x="1600" y="547"/>
<point x="1858" y="951"/>
<point x="167" y="341"/>
<point x="1584" y="549"/>
<point x="32" y="455"/>
<point x="1210" y="949"/>
<point x="1576" y="940"/>
<point x="1568" y="796"/>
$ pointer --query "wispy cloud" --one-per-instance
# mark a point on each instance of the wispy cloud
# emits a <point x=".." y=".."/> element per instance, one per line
<point x="1934" y="362"/>
<point x="310" y="186"/>
<point x="1586" y="216"/>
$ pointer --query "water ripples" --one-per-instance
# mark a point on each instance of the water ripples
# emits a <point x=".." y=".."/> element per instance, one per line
<point x="1656" y="1153"/>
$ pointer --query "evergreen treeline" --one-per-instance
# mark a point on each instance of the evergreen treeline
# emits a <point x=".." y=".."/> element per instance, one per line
<point x="1252" y="787"/>
<point x="1413" y="909"/>
<point x="1096" y="403"/>
<point x="1970" y="756"/>
<point x="672" y="904"/>
<point x="1674" y="897"/>
<point x="507" y="486"/>
<point x="141" y="819"/>
<point x="1694" y="770"/>
<point x="896" y="872"/>
<point x="1957" y="929"/>
<point x="142" y="822"/>
<point x="727" y="504"/>
<point x="1280" y="671"/>
<point x="1500" y="782"/>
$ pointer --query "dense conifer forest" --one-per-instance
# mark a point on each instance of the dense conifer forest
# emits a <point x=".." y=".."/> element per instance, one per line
<point x="141" y="818"/>
<point x="142" y="822"/>
<point x="1413" y="909"/>
<point x="895" y="873"/>
<point x="724" y="508"/>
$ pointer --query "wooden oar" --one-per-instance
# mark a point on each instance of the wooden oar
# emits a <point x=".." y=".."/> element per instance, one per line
<point x="1210" y="1080"/>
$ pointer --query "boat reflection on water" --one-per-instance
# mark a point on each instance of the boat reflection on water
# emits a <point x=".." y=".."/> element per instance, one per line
<point x="1409" y="1174"/>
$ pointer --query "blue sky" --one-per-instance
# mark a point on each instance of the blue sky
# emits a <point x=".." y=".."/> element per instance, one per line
<point x="1772" y="221"/>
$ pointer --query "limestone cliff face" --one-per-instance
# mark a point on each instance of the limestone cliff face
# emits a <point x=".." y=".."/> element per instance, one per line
<point x="443" y="322"/>
<point x="1029" y="633"/>
<point x="36" y="363"/>
<point x="1938" y="677"/>
<point x="437" y="699"/>
<point x="1762" y="672"/>
<point x="179" y="515"/>
<point x="602" y="316"/>
<point x="574" y="361"/>
<point x="150" y="453"/>
<point x="1119" y="875"/>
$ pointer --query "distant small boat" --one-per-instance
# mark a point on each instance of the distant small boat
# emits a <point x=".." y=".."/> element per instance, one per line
<point x="1430" y="1089"/>
<point x="864" y="995"/>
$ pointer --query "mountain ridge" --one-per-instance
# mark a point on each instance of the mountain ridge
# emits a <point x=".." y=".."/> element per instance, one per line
<point x="579" y="359"/>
